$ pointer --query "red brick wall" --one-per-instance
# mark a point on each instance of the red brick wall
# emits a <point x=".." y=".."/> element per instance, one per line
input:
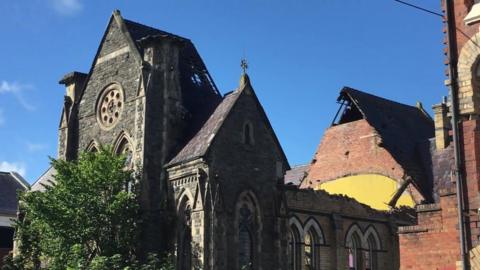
<point x="434" y="242"/>
<point x="349" y="149"/>
<point x="471" y="150"/>
<point x="464" y="32"/>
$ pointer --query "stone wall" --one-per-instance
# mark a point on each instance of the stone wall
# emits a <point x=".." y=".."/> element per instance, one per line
<point x="256" y="168"/>
<point x="122" y="69"/>
<point x="336" y="216"/>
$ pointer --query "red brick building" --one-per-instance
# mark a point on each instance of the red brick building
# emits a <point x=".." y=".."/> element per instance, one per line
<point x="435" y="242"/>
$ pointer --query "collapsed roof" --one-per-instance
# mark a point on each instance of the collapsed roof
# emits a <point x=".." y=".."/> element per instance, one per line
<point x="405" y="131"/>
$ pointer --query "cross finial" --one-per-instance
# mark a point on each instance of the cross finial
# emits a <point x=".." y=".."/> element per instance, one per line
<point x="244" y="65"/>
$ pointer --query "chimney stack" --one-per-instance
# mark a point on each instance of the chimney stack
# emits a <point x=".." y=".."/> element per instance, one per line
<point x="442" y="125"/>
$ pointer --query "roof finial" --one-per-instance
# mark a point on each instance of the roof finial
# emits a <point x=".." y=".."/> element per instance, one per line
<point x="244" y="65"/>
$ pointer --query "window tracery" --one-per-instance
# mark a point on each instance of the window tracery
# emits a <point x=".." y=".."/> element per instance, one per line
<point x="110" y="105"/>
<point x="248" y="228"/>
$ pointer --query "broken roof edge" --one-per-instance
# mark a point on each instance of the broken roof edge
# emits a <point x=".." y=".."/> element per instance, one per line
<point x="165" y="33"/>
<point x="347" y="90"/>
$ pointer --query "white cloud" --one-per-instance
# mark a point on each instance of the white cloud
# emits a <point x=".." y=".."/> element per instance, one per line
<point x="2" y="118"/>
<point x="7" y="87"/>
<point x="67" y="7"/>
<point x="34" y="147"/>
<point x="17" y="90"/>
<point x="20" y="168"/>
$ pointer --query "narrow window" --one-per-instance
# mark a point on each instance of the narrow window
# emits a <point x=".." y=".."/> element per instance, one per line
<point x="309" y="252"/>
<point x="355" y="260"/>
<point x="370" y="254"/>
<point x="248" y="134"/>
<point x="125" y="149"/>
<point x="245" y="242"/>
<point x="247" y="219"/>
<point x="185" y="240"/>
<point x="295" y="248"/>
<point x="291" y="251"/>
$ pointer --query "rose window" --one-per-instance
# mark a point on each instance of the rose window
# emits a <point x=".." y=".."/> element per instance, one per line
<point x="110" y="106"/>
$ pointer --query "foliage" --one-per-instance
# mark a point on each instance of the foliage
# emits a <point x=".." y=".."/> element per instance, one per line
<point x="86" y="220"/>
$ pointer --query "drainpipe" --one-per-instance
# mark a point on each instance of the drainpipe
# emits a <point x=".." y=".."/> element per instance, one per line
<point x="451" y="29"/>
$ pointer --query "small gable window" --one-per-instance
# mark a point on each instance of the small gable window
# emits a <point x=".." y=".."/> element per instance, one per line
<point x="247" y="136"/>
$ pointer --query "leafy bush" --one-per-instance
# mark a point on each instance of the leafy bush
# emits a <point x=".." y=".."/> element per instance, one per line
<point x="86" y="220"/>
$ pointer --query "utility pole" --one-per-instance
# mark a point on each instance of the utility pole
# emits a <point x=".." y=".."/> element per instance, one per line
<point x="452" y="71"/>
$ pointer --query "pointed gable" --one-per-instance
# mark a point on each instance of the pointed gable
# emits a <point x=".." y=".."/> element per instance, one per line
<point x="200" y="144"/>
<point x="405" y="132"/>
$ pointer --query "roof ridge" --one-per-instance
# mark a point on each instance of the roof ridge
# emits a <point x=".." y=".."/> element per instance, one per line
<point x="127" y="21"/>
<point x="348" y="88"/>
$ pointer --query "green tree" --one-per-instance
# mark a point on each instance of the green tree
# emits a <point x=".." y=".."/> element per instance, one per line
<point x="86" y="220"/>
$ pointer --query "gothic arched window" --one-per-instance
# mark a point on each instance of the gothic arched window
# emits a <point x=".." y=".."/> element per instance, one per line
<point x="245" y="241"/>
<point x="248" y="228"/>
<point x="123" y="147"/>
<point x="184" y="236"/>
<point x="295" y="245"/>
<point x="291" y="250"/>
<point x="370" y="253"/>
<point x="312" y="239"/>
<point x="92" y="147"/>
<point x="354" y="248"/>
<point x="309" y="255"/>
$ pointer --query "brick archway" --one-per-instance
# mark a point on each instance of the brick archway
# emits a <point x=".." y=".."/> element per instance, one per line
<point x="469" y="100"/>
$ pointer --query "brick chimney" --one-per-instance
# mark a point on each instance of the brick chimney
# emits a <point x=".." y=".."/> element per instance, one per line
<point x="442" y="125"/>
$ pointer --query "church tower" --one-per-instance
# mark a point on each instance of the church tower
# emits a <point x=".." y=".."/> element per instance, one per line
<point x="146" y="94"/>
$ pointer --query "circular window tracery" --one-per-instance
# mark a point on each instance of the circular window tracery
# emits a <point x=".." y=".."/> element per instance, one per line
<point x="110" y="106"/>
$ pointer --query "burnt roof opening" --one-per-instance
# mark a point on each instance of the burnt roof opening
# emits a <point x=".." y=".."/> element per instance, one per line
<point x="347" y="112"/>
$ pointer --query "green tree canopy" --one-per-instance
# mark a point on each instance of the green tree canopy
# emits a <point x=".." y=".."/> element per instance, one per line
<point x="86" y="220"/>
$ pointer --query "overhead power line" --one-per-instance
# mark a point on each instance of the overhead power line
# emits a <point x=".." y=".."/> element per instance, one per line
<point x="436" y="14"/>
<point x="419" y="8"/>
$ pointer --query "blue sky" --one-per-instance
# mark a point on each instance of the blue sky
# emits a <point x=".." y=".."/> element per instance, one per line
<point x="300" y="54"/>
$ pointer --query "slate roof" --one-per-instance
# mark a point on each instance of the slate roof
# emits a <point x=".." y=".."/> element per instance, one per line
<point x="47" y="179"/>
<point x="296" y="175"/>
<point x="10" y="183"/>
<point x="405" y="131"/>
<point x="138" y="31"/>
<point x="199" y="144"/>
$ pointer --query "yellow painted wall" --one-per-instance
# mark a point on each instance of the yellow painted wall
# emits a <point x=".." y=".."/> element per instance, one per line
<point x="371" y="189"/>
